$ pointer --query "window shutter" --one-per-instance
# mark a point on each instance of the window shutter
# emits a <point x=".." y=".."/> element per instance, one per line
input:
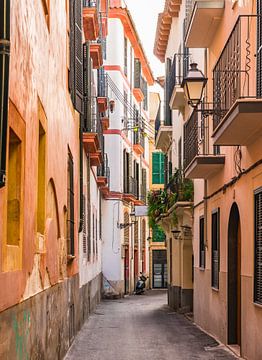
<point x="71" y="221"/>
<point x="155" y="168"/>
<point x="215" y="248"/>
<point x="76" y="55"/>
<point x="137" y="73"/>
<point x="84" y="227"/>
<point x="129" y="173"/>
<point x="259" y="48"/>
<point x="258" y="247"/>
<point x="167" y="94"/>
<point x="201" y="242"/>
<point x="4" y="83"/>
<point x="87" y="83"/>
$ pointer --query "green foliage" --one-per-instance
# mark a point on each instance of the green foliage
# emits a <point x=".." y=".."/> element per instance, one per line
<point x="160" y="201"/>
<point x="158" y="234"/>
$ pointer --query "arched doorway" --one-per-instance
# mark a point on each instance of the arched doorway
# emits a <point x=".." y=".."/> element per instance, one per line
<point x="234" y="277"/>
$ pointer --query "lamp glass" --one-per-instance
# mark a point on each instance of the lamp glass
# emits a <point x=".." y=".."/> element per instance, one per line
<point x="193" y="85"/>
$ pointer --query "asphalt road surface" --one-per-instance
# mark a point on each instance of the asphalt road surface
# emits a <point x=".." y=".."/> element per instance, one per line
<point x="143" y="328"/>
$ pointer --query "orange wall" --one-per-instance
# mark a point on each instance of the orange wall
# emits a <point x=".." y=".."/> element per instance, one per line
<point x="39" y="60"/>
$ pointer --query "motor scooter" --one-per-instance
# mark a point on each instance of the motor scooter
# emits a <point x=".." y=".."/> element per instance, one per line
<point x="140" y="285"/>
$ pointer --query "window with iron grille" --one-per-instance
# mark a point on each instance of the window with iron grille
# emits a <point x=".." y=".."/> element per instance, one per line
<point x="4" y="84"/>
<point x="259" y="48"/>
<point x="70" y="205"/>
<point x="258" y="247"/>
<point x="137" y="73"/>
<point x="202" y="255"/>
<point x="215" y="248"/>
<point x="76" y="55"/>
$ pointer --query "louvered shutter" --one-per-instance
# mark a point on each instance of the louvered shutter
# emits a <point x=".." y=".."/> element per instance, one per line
<point x="258" y="247"/>
<point x="84" y="227"/>
<point x="155" y="168"/>
<point x="76" y="55"/>
<point x="87" y="83"/>
<point x="4" y="83"/>
<point x="201" y="242"/>
<point x="137" y="73"/>
<point x="130" y="184"/>
<point x="168" y="112"/>
<point x="259" y="48"/>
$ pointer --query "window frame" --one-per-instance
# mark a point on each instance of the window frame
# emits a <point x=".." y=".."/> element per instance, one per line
<point x="256" y="299"/>
<point x="202" y="243"/>
<point x="215" y="282"/>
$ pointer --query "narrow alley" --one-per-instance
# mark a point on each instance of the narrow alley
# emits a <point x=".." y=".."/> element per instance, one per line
<point x="142" y="327"/>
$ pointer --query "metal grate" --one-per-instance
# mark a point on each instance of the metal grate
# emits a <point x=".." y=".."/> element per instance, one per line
<point x="215" y="248"/>
<point x="259" y="48"/>
<point x="258" y="247"/>
<point x="84" y="227"/>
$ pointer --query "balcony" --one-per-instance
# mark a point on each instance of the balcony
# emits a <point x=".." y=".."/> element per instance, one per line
<point x="105" y="122"/>
<point x="96" y="54"/>
<point x="163" y="137"/>
<point x="199" y="162"/>
<point x="91" y="19"/>
<point x="237" y="87"/>
<point x="102" y="90"/>
<point x="138" y="81"/>
<point x="178" y="70"/>
<point x="130" y="189"/>
<point x="139" y="142"/>
<point x="92" y="132"/>
<point x="202" y="22"/>
<point x="103" y="176"/>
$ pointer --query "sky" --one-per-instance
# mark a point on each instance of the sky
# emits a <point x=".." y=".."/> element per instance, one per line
<point x="145" y="14"/>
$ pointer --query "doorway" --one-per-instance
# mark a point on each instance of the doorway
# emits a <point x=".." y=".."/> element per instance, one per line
<point x="159" y="269"/>
<point x="234" y="277"/>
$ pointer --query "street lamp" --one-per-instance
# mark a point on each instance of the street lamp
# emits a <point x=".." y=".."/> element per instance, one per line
<point x="194" y="84"/>
<point x="124" y="225"/>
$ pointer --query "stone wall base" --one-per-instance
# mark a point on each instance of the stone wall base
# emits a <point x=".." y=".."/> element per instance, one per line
<point x="44" y="326"/>
<point x="181" y="300"/>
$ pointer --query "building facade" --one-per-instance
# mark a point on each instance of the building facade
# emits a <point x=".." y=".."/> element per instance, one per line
<point x="125" y="246"/>
<point x="46" y="177"/>
<point x="222" y="155"/>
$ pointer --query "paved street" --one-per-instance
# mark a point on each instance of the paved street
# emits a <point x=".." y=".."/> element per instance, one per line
<point x="142" y="327"/>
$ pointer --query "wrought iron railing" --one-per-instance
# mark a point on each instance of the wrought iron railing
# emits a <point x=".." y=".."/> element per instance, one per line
<point x="92" y="3"/>
<point x="102" y="85"/>
<point x="131" y="186"/>
<point x="91" y="120"/>
<point x="178" y="70"/>
<point x="139" y="138"/>
<point x="103" y="169"/>
<point x="235" y="70"/>
<point x="143" y="192"/>
<point x="196" y="138"/>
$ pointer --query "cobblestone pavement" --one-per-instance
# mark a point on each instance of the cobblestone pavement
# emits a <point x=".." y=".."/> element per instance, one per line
<point x="143" y="328"/>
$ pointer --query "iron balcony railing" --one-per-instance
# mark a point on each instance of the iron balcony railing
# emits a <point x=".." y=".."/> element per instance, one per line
<point x="196" y="138"/>
<point x="143" y="192"/>
<point x="104" y="170"/>
<point x="130" y="186"/>
<point x="91" y="121"/>
<point x="178" y="70"/>
<point x="139" y="138"/>
<point x="102" y="83"/>
<point x="236" y="71"/>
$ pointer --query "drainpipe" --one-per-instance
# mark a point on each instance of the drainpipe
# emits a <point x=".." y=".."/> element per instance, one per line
<point x="4" y="83"/>
<point x="81" y="210"/>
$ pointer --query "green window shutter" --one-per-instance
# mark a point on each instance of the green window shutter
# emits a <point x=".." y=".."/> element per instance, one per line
<point x="158" y="168"/>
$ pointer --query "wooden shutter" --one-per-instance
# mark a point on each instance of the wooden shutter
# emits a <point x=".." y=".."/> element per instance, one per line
<point x="137" y="73"/>
<point x="76" y="55"/>
<point x="201" y="242"/>
<point x="215" y="248"/>
<point x="70" y="197"/>
<point x="87" y="87"/>
<point x="4" y="83"/>
<point x="129" y="179"/>
<point x="126" y="229"/>
<point x="259" y="48"/>
<point x="167" y="94"/>
<point x="258" y="247"/>
<point x="84" y="227"/>
<point x="158" y="168"/>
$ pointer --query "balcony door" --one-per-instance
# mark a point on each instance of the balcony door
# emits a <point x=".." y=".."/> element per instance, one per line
<point x="159" y="269"/>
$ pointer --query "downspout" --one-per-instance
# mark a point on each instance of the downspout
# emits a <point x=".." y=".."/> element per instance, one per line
<point x="81" y="210"/>
<point x="4" y="83"/>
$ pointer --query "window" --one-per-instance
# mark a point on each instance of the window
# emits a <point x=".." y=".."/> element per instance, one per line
<point x="76" y="55"/>
<point x="137" y="73"/>
<point x="202" y="255"/>
<point x="215" y="248"/>
<point x="70" y="205"/>
<point x="158" y="168"/>
<point x="84" y="227"/>
<point x="41" y="186"/>
<point x="258" y="247"/>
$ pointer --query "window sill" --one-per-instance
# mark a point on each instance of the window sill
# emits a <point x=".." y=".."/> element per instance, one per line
<point x="257" y="305"/>
<point x="70" y="258"/>
<point x="202" y="268"/>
